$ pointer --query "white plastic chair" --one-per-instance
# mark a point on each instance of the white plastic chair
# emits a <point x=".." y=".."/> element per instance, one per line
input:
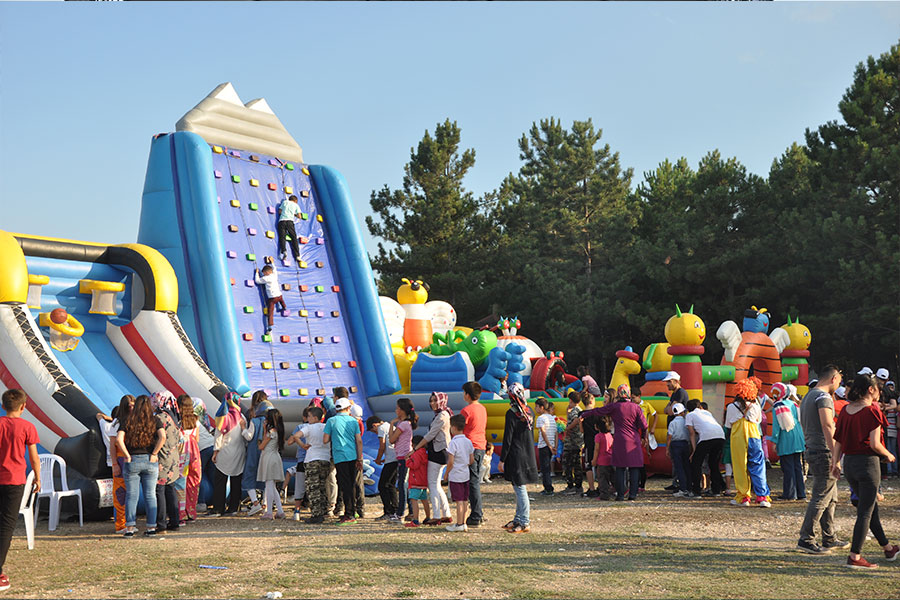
<point x="48" y="462"/>
<point x="26" y="509"/>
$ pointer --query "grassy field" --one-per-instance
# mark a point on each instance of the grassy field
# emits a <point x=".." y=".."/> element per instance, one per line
<point x="657" y="547"/>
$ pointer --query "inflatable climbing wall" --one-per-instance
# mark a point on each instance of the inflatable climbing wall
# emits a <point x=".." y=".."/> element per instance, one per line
<point x="210" y="205"/>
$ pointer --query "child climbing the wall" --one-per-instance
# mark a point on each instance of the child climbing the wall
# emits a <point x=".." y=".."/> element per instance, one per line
<point x="287" y="212"/>
<point x="269" y="278"/>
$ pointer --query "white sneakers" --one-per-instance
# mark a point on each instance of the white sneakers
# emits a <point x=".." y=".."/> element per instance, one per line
<point x="455" y="527"/>
<point x="256" y="508"/>
<point x="765" y="504"/>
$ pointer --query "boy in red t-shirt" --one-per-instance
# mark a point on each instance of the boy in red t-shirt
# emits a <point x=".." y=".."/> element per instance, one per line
<point x="16" y="434"/>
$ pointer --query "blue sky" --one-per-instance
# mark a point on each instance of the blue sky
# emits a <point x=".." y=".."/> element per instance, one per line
<point x="84" y="86"/>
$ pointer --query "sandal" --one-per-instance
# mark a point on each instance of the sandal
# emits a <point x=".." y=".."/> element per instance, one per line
<point x="431" y="521"/>
<point x="519" y="528"/>
<point x="509" y="525"/>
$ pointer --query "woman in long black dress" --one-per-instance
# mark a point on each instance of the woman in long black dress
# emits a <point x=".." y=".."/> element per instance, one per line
<point x="517" y="461"/>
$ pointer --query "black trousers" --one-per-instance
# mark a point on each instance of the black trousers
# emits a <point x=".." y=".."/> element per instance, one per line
<point x="863" y="473"/>
<point x="347" y="488"/>
<point x="712" y="450"/>
<point x="387" y="487"/>
<point x="166" y="506"/>
<point x="234" y="495"/>
<point x="286" y="228"/>
<point x="10" y="499"/>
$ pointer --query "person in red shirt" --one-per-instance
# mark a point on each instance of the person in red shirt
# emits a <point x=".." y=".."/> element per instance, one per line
<point x="16" y="435"/>
<point x="476" y="423"/>
<point x="859" y="438"/>
<point x="417" y="463"/>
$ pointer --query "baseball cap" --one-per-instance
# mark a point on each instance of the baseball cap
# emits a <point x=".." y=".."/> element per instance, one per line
<point x="882" y="373"/>
<point x="841" y="392"/>
<point x="670" y="375"/>
<point x="864" y="371"/>
<point x="342" y="403"/>
<point x="677" y="408"/>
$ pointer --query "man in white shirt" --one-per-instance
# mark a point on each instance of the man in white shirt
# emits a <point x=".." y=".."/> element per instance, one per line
<point x="707" y="443"/>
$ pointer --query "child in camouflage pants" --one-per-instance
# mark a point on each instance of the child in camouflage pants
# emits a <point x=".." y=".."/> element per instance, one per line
<point x="573" y="443"/>
<point x="317" y="463"/>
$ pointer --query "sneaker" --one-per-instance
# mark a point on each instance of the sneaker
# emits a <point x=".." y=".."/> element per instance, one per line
<point x="315" y="520"/>
<point x="4" y="582"/>
<point x="572" y="491"/>
<point x="891" y="555"/>
<point x="811" y="548"/>
<point x="641" y="490"/>
<point x="546" y="492"/>
<point x="394" y="519"/>
<point x="280" y="515"/>
<point x="860" y="563"/>
<point x="835" y="543"/>
<point x="670" y="488"/>
<point x="693" y="495"/>
<point x="765" y="504"/>
<point x="267" y="517"/>
<point x="384" y="517"/>
<point x="472" y="523"/>
<point x="412" y="523"/>
<point x="680" y="494"/>
<point x="591" y="494"/>
<point x="408" y="518"/>
<point x="129" y="532"/>
<point x="256" y="508"/>
<point x="744" y="502"/>
<point x="368" y="481"/>
<point x="150" y="532"/>
<point x="445" y="520"/>
<point x="456" y="527"/>
<point x="346" y="521"/>
<point x="296" y="516"/>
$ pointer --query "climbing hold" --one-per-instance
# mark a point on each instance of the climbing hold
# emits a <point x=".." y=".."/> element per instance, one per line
<point x="304" y="392"/>
<point x="272" y="187"/>
<point x="304" y="216"/>
<point x="320" y="288"/>
<point x="217" y="149"/>
<point x="270" y="235"/>
<point x="251" y="256"/>
<point x="253" y="206"/>
<point x="305" y="193"/>
<point x="304" y="239"/>
<point x="352" y="364"/>
<point x="232" y="281"/>
<point x="236" y="178"/>
<point x="335" y="313"/>
<point x="303" y="339"/>
<point x="267" y="337"/>
<point x="336" y="339"/>
<point x="273" y="162"/>
<point x="285" y="365"/>
<point x="284" y="392"/>
<point x="254" y="158"/>
<point x="231" y="254"/>
<point x="320" y="241"/>
<point x="265" y="310"/>
<point x="320" y="314"/>
<point x="286" y="286"/>
<point x="319" y="339"/>
<point x="247" y="337"/>
<point x="319" y="264"/>
<point x="235" y="153"/>
<point x="270" y="209"/>
<point x="320" y="218"/>
<point x="335" y="288"/>
<point x="248" y="364"/>
<point x="302" y="264"/>
<point x="304" y="313"/>
<point x="236" y="203"/>
<point x="304" y="288"/>
<point x="303" y="366"/>
<point x="336" y="364"/>
<point x="320" y="391"/>
<point x="288" y="189"/>
<point x="251" y="231"/>
<point x="267" y="365"/>
<point x="353" y="389"/>
<point x="232" y="228"/>
<point x="268" y="260"/>
<point x="320" y="365"/>
<point x="254" y="182"/>
<point x="305" y="171"/>
<point x="285" y="339"/>
<point x="289" y="166"/>
<point x="248" y="310"/>
<point x="217" y="174"/>
<point x="249" y="283"/>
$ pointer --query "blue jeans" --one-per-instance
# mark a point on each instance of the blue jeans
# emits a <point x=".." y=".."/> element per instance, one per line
<point x="476" y="510"/>
<point x="140" y="472"/>
<point x="402" y="499"/>
<point x="634" y="476"/>
<point x="546" y="474"/>
<point x="681" y="463"/>
<point x="794" y="488"/>
<point x="523" y="506"/>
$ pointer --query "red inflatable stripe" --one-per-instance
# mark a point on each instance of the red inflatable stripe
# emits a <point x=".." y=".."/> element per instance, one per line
<point x="31" y="406"/>
<point x="146" y="355"/>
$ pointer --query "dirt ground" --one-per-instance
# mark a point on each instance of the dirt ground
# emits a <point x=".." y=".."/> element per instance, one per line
<point x="655" y="547"/>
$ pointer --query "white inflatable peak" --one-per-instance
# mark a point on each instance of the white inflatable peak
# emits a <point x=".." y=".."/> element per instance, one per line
<point x="259" y="104"/>
<point x="226" y="93"/>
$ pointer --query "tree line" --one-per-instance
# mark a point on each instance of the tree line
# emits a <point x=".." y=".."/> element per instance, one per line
<point x="591" y="263"/>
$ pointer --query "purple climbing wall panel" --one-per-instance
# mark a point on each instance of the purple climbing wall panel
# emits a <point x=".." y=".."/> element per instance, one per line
<point x="309" y="350"/>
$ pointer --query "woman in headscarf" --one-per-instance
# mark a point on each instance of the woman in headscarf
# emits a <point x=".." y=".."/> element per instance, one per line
<point x="253" y="434"/>
<point x="631" y="434"/>
<point x="229" y="453"/>
<point x="436" y="441"/>
<point x="517" y="461"/>
<point x="787" y="435"/>
<point x="165" y="407"/>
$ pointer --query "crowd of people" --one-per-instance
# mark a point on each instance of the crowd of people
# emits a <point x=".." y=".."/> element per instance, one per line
<point x="161" y="448"/>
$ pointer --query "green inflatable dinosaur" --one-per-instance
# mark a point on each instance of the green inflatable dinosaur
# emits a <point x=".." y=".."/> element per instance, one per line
<point x="477" y="344"/>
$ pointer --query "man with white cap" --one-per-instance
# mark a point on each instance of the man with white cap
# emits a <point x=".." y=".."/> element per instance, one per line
<point x="865" y="371"/>
<point x="882" y="374"/>
<point x="677" y="395"/>
<point x="342" y="432"/>
<point x="678" y="449"/>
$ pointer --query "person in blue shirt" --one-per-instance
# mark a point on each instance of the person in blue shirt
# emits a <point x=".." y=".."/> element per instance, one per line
<point x="288" y="211"/>
<point x="342" y="431"/>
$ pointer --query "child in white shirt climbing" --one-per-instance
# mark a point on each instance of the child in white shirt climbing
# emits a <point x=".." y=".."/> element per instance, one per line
<point x="269" y="278"/>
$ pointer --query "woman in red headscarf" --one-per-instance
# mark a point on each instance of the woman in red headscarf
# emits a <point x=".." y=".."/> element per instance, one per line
<point x="436" y="441"/>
